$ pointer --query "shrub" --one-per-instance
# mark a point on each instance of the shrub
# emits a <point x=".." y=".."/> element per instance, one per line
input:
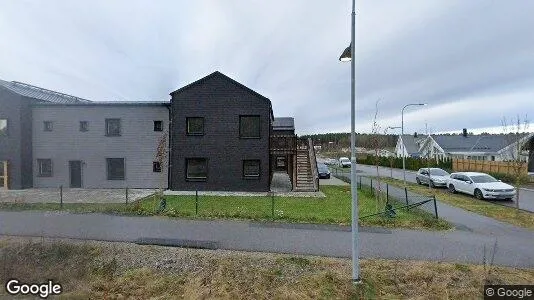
<point x="509" y="178"/>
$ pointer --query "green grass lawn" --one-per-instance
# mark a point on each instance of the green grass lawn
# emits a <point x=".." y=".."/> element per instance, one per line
<point x="503" y="213"/>
<point x="335" y="208"/>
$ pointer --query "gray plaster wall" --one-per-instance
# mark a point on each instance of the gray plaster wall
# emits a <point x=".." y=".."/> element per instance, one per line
<point x="16" y="147"/>
<point x="137" y="144"/>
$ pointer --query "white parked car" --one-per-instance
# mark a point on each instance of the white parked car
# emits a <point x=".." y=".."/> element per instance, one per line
<point x="344" y="162"/>
<point x="330" y="161"/>
<point x="480" y="185"/>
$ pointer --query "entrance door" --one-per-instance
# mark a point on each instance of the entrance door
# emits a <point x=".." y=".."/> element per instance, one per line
<point x="3" y="174"/>
<point x="75" y="167"/>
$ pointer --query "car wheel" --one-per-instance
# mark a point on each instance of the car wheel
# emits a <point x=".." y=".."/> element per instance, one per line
<point x="508" y="199"/>
<point x="452" y="189"/>
<point x="479" y="195"/>
<point x="432" y="185"/>
<point x="417" y="180"/>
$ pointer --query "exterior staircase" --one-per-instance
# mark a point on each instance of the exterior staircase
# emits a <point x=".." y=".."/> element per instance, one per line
<point x="306" y="178"/>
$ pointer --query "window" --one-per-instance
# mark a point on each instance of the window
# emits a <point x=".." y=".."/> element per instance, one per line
<point x="113" y="127"/>
<point x="48" y="126"/>
<point x="45" y="167"/>
<point x="196" y="169"/>
<point x="156" y="167"/>
<point x="115" y="168"/>
<point x="3" y="127"/>
<point x="251" y="168"/>
<point x="84" y="126"/>
<point x="249" y="126"/>
<point x="195" y="126"/>
<point x="158" y="125"/>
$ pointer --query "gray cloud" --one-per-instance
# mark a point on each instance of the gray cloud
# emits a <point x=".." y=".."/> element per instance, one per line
<point x="472" y="61"/>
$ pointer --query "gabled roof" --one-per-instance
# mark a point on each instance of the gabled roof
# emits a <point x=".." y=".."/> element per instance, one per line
<point x="284" y="123"/>
<point x="220" y="75"/>
<point x="476" y="143"/>
<point x="410" y="143"/>
<point x="40" y="94"/>
<point x="106" y="103"/>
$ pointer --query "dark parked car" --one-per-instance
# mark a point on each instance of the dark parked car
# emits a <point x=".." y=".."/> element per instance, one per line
<point x="323" y="171"/>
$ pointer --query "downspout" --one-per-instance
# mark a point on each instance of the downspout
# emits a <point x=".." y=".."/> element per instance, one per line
<point x="271" y="118"/>
<point x="169" y="165"/>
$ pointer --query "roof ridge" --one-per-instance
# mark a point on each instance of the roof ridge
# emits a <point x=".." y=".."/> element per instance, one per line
<point x="224" y="76"/>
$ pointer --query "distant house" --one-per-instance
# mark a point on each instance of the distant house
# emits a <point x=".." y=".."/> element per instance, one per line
<point x="408" y="145"/>
<point x="494" y="147"/>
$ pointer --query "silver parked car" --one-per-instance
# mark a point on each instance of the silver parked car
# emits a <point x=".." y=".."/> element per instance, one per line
<point x="436" y="177"/>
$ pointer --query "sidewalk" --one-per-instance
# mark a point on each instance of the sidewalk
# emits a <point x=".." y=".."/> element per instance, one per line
<point x="323" y="240"/>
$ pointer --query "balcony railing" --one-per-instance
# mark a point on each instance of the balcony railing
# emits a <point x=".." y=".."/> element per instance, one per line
<point x="283" y="143"/>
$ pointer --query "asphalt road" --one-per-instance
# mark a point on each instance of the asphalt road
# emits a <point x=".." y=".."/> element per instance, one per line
<point x="513" y="248"/>
<point x="526" y="198"/>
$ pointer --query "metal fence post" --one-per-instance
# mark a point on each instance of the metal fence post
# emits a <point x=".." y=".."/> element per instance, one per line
<point x="126" y="195"/>
<point x="372" y="190"/>
<point x="435" y="206"/>
<point x="387" y="193"/>
<point x="406" y="195"/>
<point x="360" y="182"/>
<point x="61" y="196"/>
<point x="196" y="202"/>
<point x="272" y="205"/>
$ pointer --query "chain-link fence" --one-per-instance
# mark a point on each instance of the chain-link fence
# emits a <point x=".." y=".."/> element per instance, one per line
<point x="393" y="194"/>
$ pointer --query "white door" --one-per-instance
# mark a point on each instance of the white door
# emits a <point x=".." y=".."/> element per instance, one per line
<point x="461" y="184"/>
<point x="469" y="186"/>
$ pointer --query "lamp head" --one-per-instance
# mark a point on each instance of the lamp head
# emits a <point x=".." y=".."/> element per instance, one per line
<point x="346" y="55"/>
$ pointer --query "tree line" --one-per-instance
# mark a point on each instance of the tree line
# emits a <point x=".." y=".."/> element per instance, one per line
<point x="342" y="140"/>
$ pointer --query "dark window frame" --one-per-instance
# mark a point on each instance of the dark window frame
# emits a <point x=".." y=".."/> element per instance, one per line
<point x="198" y="179"/>
<point x="5" y="132"/>
<point x="245" y="176"/>
<point x="158" y="125"/>
<point x="241" y="136"/>
<point x="156" y="167"/>
<point x="84" y="126"/>
<point x="40" y="172"/>
<point x="187" y="119"/>
<point x="108" y="175"/>
<point x="108" y="120"/>
<point x="48" y="126"/>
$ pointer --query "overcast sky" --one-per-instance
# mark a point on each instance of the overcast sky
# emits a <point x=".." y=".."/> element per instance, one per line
<point x="471" y="61"/>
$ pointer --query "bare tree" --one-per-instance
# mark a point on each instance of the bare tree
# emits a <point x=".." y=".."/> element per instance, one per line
<point x="516" y="136"/>
<point x="377" y="145"/>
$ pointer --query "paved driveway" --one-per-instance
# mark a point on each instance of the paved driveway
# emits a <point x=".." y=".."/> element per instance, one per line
<point x="332" y="181"/>
<point x="73" y="195"/>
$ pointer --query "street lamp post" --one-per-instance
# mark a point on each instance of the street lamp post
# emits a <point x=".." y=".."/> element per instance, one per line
<point x="350" y="54"/>
<point x="402" y="136"/>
